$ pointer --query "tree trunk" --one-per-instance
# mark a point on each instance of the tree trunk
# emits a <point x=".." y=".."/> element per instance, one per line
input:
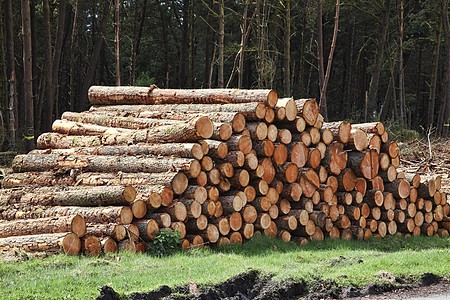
<point x="373" y="89"/>
<point x="50" y="242"/>
<point x="287" y="49"/>
<point x="101" y="95"/>
<point x="11" y="74"/>
<point x="137" y="40"/>
<point x="75" y="224"/>
<point x="27" y="76"/>
<point x="220" y="79"/>
<point x="72" y="58"/>
<point x="117" y="40"/>
<point x="93" y="61"/>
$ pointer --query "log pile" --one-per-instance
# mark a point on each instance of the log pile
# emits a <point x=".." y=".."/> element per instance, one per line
<point x="219" y="166"/>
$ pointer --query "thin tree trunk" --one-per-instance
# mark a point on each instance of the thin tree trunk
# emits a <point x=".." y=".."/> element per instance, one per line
<point x="117" y="39"/>
<point x="323" y="92"/>
<point x="447" y="44"/>
<point x="48" y="64"/>
<point x="243" y="43"/>
<point x="98" y="45"/>
<point x="372" y="95"/>
<point x="401" y="71"/>
<point x="11" y="73"/>
<point x="220" y="82"/>
<point x="434" y="73"/>
<point x="137" y="41"/>
<point x="287" y="49"/>
<point x="320" y="48"/>
<point x="27" y="76"/>
<point x="191" y="45"/>
<point x="72" y="59"/>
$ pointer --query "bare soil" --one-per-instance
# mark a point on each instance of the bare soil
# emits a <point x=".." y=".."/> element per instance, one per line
<point x="254" y="285"/>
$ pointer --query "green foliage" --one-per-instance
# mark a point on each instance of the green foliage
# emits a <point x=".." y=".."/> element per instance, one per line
<point x="144" y="79"/>
<point x="166" y="242"/>
<point x="399" y="133"/>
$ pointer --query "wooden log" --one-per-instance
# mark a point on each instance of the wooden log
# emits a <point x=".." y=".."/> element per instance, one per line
<point x="341" y="130"/>
<point x="389" y="175"/>
<point x="333" y="182"/>
<point x="262" y="204"/>
<point x="185" y="150"/>
<point x="373" y="127"/>
<point x="177" y="211"/>
<point x="49" y="242"/>
<point x="335" y="158"/>
<point x="400" y="188"/>
<point x="280" y="154"/>
<point x="298" y="154"/>
<point x="419" y="218"/>
<point x="399" y="216"/>
<point x="258" y="130"/>
<point x="305" y="231"/>
<point x="389" y="201"/>
<point x="427" y="189"/>
<point x="247" y="231"/>
<point x="263" y="221"/>
<point x="308" y="109"/>
<point x="104" y="163"/>
<point x="364" y="164"/>
<point x="376" y="184"/>
<point x="385" y="161"/>
<point x="391" y="148"/>
<point x="327" y="136"/>
<point x="226" y="170"/>
<point x="108" y="245"/>
<point x="411" y="210"/>
<point x="396" y="161"/>
<point x="189" y="131"/>
<point x="284" y="136"/>
<point x="272" y="231"/>
<point x="232" y="203"/>
<point x="241" y="143"/>
<point x="345" y="198"/>
<point x="290" y="106"/>
<point x="180" y="227"/>
<point x="91" y="196"/>
<point x="107" y="214"/>
<point x="265" y="148"/>
<point x="374" y="198"/>
<point x="236" y="238"/>
<point x="74" y="223"/>
<point x="292" y="192"/>
<point x="375" y="213"/>
<point x="346" y="180"/>
<point x="272" y="133"/>
<point x="117" y="231"/>
<point x="358" y="140"/>
<point x="374" y="142"/>
<point x="100" y="95"/>
<point x="235" y="221"/>
<point x="217" y="149"/>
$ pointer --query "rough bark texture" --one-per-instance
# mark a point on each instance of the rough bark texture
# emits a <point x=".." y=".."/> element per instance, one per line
<point x="101" y="95"/>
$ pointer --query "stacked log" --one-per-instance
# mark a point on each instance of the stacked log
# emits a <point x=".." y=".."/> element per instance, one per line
<point x="218" y="166"/>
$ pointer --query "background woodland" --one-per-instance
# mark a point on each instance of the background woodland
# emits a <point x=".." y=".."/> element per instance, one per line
<point x="363" y="60"/>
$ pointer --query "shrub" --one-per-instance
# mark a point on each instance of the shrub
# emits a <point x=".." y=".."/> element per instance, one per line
<point x="166" y="242"/>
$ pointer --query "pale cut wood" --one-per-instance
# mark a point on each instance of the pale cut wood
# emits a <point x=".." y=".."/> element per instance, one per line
<point x="308" y="109"/>
<point x="373" y="127"/>
<point x="391" y="148"/>
<point x="327" y="136"/>
<point x="400" y="188"/>
<point x="109" y="245"/>
<point x="298" y="154"/>
<point x="427" y="189"/>
<point x="145" y="95"/>
<point x="358" y="140"/>
<point x="341" y="130"/>
<point x="390" y="174"/>
<point x="258" y="130"/>
<point x="364" y="164"/>
<point x="290" y="108"/>
<point x="374" y="142"/>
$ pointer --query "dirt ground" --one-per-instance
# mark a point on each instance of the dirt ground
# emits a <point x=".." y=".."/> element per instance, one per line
<point x="254" y="285"/>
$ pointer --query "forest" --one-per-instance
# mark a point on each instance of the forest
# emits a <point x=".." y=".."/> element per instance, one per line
<point x="362" y="60"/>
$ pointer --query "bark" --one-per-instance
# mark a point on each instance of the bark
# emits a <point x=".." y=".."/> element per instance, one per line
<point x="28" y="76"/>
<point x="11" y="75"/>
<point x="192" y="131"/>
<point x="95" y="57"/>
<point x="117" y="40"/>
<point x="220" y="78"/>
<point x="49" y="242"/>
<point x="373" y="88"/>
<point x="74" y="223"/>
<point x="102" y="95"/>
<point x="250" y="110"/>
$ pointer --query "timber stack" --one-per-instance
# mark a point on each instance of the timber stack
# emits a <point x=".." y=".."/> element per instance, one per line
<point x="217" y="165"/>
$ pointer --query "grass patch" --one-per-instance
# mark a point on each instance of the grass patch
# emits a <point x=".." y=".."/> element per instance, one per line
<point x="348" y="262"/>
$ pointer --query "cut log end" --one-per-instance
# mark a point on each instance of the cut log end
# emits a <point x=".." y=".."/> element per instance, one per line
<point x="204" y="127"/>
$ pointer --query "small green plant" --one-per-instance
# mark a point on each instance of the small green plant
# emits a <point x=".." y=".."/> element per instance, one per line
<point x="166" y="242"/>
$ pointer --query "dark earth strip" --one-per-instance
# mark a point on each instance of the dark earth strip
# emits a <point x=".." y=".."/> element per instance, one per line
<point x="254" y="285"/>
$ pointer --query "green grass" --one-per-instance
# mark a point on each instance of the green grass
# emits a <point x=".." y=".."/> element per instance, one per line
<point x="66" y="277"/>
